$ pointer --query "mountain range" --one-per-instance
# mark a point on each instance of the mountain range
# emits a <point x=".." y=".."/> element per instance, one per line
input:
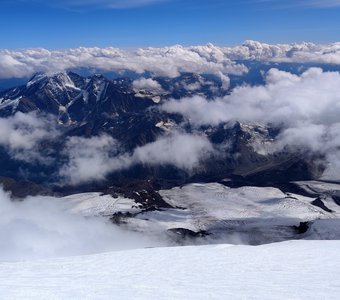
<point x="92" y="106"/>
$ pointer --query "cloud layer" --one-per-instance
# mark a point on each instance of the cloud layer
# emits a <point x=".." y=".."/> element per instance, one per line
<point x="306" y="107"/>
<point x="300" y="53"/>
<point x="43" y="227"/>
<point x="286" y="98"/>
<point x="167" y="61"/>
<point x="26" y="138"/>
<point x="92" y="159"/>
<point x="22" y="133"/>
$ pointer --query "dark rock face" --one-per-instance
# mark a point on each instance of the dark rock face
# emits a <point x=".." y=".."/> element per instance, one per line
<point x="319" y="203"/>
<point x="302" y="228"/>
<point x="143" y="193"/>
<point x="336" y="197"/>
<point x="185" y="236"/>
<point x="21" y="189"/>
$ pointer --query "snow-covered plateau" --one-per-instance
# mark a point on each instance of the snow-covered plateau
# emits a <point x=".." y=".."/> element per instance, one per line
<point x="288" y="270"/>
<point x="214" y="213"/>
<point x="102" y="246"/>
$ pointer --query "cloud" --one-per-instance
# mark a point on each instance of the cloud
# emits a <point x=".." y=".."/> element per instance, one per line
<point x="319" y="3"/>
<point x="149" y="85"/>
<point x="167" y="61"/>
<point x="96" y="4"/>
<point x="92" y="159"/>
<point x="43" y="227"/>
<point x="299" y="53"/>
<point x="198" y="110"/>
<point x="286" y="98"/>
<point x="183" y="151"/>
<point x="13" y="68"/>
<point x="301" y="3"/>
<point x="306" y="107"/>
<point x="22" y="133"/>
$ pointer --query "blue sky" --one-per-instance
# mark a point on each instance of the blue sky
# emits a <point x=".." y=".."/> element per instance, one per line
<point x="136" y="23"/>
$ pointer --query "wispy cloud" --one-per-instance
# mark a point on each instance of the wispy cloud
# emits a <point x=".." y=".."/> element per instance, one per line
<point x="300" y="3"/>
<point x="321" y="3"/>
<point x="97" y="4"/>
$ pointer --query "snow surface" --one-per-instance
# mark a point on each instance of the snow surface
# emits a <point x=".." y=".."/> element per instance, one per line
<point x="10" y="102"/>
<point x="96" y="204"/>
<point x="222" y="202"/>
<point x="243" y="215"/>
<point x="318" y="187"/>
<point x="206" y="203"/>
<point x="289" y="270"/>
<point x="212" y="204"/>
<point x="77" y="230"/>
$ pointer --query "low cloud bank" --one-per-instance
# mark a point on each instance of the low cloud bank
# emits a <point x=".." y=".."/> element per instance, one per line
<point x="43" y="227"/>
<point x="296" y="52"/>
<point x="166" y="61"/>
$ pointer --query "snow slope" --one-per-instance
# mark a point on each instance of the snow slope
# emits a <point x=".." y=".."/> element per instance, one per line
<point x="234" y="215"/>
<point x="289" y="270"/>
<point x="243" y="215"/>
<point x="208" y="203"/>
<point x="97" y="204"/>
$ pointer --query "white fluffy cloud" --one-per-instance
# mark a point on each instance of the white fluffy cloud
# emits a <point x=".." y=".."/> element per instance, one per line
<point x="184" y="151"/>
<point x="147" y="84"/>
<point x="307" y="107"/>
<point x="167" y="61"/>
<point x="12" y="67"/>
<point x="22" y="133"/>
<point x="286" y="98"/>
<point x="43" y="227"/>
<point x="301" y="53"/>
<point x="92" y="159"/>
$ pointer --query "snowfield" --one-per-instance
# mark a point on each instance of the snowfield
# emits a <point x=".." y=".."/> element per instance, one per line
<point x="67" y="248"/>
<point x="96" y="204"/>
<point x="245" y="215"/>
<point x="289" y="270"/>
